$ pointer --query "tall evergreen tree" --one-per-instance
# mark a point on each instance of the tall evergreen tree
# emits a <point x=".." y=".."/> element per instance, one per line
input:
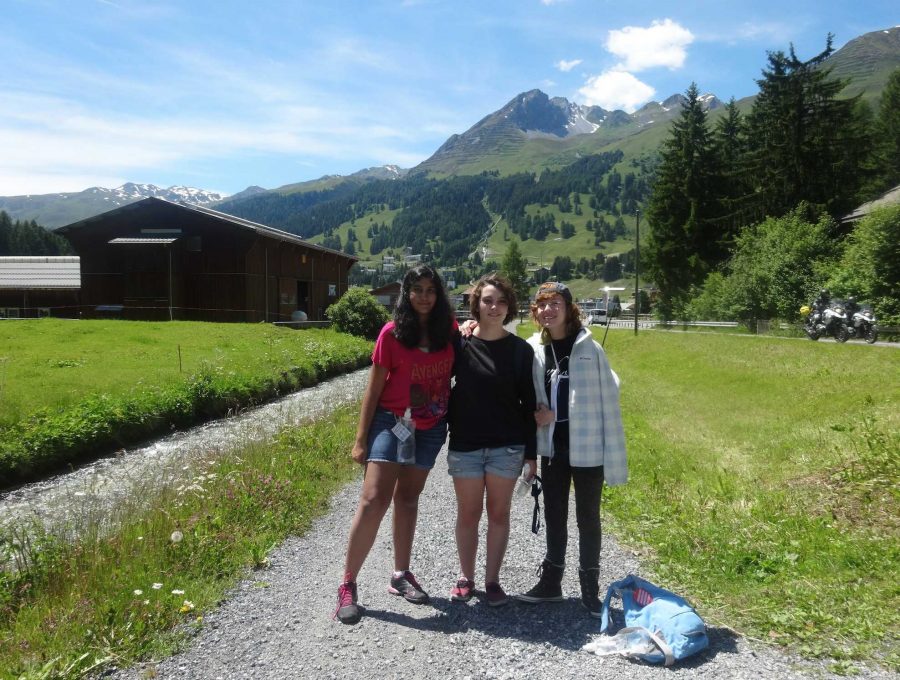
<point x="683" y="242"/>
<point x="513" y="268"/>
<point x="806" y="144"/>
<point x="730" y="143"/>
<point x="887" y="143"/>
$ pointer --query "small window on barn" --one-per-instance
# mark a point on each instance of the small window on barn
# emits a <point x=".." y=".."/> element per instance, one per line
<point x="43" y="311"/>
<point x="9" y="312"/>
<point x="332" y="290"/>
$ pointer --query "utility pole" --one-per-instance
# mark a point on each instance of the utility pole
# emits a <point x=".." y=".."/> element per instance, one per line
<point x="637" y="266"/>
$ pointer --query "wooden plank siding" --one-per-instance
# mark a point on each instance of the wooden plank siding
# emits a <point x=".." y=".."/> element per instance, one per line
<point x="217" y="268"/>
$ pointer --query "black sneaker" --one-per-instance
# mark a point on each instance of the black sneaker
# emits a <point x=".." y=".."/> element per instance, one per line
<point x="407" y="586"/>
<point x="496" y="596"/>
<point x="347" y="609"/>
<point x="549" y="586"/>
<point x="590" y="591"/>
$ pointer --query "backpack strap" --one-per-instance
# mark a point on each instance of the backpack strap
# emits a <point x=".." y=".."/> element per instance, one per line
<point x="612" y="590"/>
<point x="657" y="640"/>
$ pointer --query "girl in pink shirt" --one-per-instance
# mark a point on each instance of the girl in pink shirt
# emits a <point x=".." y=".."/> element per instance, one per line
<point x="411" y="368"/>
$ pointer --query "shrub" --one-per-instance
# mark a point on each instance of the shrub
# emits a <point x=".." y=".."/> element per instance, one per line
<point x="870" y="268"/>
<point x="358" y="313"/>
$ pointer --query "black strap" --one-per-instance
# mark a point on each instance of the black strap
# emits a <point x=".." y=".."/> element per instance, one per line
<point x="536" y="488"/>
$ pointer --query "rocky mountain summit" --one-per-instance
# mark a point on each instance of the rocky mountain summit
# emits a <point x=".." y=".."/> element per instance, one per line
<point x="534" y="115"/>
<point x="55" y="210"/>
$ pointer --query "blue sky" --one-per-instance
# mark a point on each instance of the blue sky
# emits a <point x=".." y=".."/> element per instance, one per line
<point x="221" y="95"/>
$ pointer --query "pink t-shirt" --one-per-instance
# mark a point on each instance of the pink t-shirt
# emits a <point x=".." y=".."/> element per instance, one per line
<point x="420" y="380"/>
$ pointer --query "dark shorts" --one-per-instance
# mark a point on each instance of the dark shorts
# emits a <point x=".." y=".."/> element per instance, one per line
<point x="382" y="444"/>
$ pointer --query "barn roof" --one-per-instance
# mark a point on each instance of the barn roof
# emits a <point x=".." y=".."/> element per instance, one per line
<point x="888" y="198"/>
<point x="33" y="273"/>
<point x="260" y="229"/>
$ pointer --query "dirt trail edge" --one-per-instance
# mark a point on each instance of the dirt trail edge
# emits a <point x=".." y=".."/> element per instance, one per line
<point x="277" y="623"/>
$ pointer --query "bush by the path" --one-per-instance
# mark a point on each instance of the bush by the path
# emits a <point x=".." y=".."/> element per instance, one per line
<point x="358" y="313"/>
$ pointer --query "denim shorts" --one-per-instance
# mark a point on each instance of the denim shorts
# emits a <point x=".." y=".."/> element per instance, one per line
<point x="503" y="461"/>
<point x="382" y="444"/>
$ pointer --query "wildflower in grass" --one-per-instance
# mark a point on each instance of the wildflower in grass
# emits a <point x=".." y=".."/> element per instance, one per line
<point x="140" y="538"/>
<point x="138" y="591"/>
<point x="146" y="602"/>
<point x="186" y="607"/>
<point x="176" y="536"/>
<point x="177" y="592"/>
<point x="156" y="586"/>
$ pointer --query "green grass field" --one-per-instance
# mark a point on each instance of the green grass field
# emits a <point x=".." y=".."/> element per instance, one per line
<point x="765" y="482"/>
<point x="68" y="387"/>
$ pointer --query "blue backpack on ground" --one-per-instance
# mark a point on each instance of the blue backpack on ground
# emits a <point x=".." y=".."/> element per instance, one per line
<point x="660" y="626"/>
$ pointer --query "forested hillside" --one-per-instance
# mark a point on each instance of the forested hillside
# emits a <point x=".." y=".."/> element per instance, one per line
<point x="29" y="238"/>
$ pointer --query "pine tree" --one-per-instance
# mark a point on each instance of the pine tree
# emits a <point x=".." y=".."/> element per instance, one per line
<point x="730" y="143"/>
<point x="5" y="233"/>
<point x="888" y="135"/>
<point x="513" y="268"/>
<point x="683" y="243"/>
<point x="806" y="144"/>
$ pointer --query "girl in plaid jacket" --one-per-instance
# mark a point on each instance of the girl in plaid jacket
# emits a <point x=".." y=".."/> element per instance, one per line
<point x="580" y="439"/>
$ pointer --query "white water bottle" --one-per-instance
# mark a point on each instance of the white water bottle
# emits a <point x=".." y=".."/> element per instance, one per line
<point x="523" y="488"/>
<point x="405" y="430"/>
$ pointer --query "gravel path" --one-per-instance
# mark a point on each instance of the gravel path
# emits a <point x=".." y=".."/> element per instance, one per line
<point x="278" y="623"/>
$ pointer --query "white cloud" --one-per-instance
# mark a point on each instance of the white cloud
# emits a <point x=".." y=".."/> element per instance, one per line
<point x="662" y="44"/>
<point x="616" y="90"/>
<point x="566" y="66"/>
<point x="46" y="150"/>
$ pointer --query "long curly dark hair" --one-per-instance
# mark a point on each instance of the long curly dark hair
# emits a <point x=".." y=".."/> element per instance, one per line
<point x="406" y="320"/>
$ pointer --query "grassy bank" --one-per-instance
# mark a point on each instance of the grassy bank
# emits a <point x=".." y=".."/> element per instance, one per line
<point x="765" y="482"/>
<point x="71" y="388"/>
<point x="138" y="591"/>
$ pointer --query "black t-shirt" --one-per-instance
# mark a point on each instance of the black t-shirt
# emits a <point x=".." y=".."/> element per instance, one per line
<point x="556" y="359"/>
<point x="492" y="402"/>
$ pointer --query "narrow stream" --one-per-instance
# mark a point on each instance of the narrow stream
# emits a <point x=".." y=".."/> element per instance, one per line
<point x="96" y="489"/>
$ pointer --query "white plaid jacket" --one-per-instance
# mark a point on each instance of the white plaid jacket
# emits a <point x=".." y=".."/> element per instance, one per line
<point x="596" y="436"/>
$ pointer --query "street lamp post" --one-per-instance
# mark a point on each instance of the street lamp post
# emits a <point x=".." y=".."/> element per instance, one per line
<point x="637" y="265"/>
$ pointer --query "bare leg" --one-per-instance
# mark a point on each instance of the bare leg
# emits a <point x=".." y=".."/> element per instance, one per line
<point x="469" y="502"/>
<point x="378" y="487"/>
<point x="499" y="496"/>
<point x="410" y="482"/>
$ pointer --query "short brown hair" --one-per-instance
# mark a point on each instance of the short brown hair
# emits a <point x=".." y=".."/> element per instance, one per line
<point x="573" y="313"/>
<point x="502" y="284"/>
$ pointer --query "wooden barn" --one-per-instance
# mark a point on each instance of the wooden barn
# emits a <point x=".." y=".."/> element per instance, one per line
<point x="154" y="259"/>
<point x="32" y="287"/>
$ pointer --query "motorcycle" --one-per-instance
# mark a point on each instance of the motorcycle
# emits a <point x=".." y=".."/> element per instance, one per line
<point x="862" y="325"/>
<point x="830" y="321"/>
